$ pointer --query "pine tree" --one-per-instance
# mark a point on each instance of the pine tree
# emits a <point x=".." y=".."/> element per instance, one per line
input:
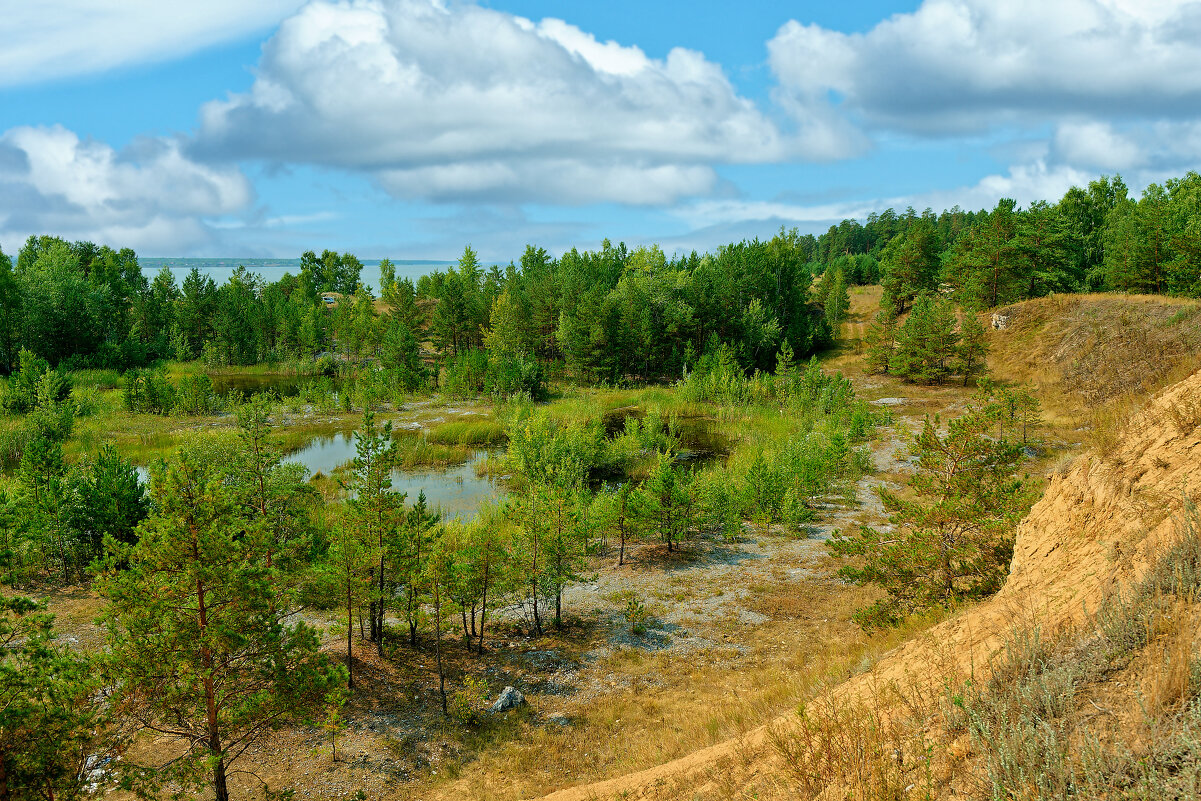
<point x="665" y="501"/>
<point x="838" y="304"/>
<point x="927" y="340"/>
<point x="881" y="340"/>
<point x="347" y="565"/>
<point x="51" y="716"/>
<point x="411" y="554"/>
<point x="953" y="539"/>
<point x="376" y="512"/>
<point x="972" y="348"/>
<point x="197" y="621"/>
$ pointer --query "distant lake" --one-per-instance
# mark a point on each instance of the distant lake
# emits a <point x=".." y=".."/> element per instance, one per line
<point x="273" y="269"/>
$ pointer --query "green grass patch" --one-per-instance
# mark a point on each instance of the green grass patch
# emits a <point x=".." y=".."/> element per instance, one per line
<point x="477" y="433"/>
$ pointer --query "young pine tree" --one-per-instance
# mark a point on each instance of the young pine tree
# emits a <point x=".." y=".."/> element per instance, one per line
<point x="881" y="341"/>
<point x="953" y="539"/>
<point x="838" y="304"/>
<point x="972" y="348"/>
<point x="348" y="564"/>
<point x="197" y="622"/>
<point x="927" y="341"/>
<point x="376" y="512"/>
<point x="51" y="716"/>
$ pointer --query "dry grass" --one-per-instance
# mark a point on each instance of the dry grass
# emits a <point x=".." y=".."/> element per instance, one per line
<point x="1095" y="359"/>
<point x="673" y="705"/>
<point x="1109" y="709"/>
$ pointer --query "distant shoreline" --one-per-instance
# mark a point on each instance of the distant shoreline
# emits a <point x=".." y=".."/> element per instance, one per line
<point x="272" y="269"/>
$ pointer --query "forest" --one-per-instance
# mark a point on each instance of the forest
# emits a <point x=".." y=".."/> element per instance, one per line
<point x="128" y="472"/>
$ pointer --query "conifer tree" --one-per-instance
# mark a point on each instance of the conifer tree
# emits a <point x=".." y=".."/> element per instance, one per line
<point x="197" y="621"/>
<point x="838" y="304"/>
<point x="348" y="564"/>
<point x="376" y="512"/>
<point x="666" y="501"/>
<point x="953" y="539"/>
<point x="51" y="718"/>
<point x="972" y="349"/>
<point x="927" y="340"/>
<point x="881" y="340"/>
<point x="411" y="554"/>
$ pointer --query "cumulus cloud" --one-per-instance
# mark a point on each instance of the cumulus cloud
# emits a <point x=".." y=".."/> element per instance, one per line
<point x="956" y="67"/>
<point x="459" y="102"/>
<point x="1097" y="144"/>
<point x="50" y="39"/>
<point x="149" y="196"/>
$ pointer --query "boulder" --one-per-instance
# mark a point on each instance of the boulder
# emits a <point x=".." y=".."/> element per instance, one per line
<point x="509" y="698"/>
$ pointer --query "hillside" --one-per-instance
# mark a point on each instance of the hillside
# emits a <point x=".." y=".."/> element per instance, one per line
<point x="1100" y="526"/>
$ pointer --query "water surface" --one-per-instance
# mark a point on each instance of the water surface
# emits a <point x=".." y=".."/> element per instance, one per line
<point x="457" y="491"/>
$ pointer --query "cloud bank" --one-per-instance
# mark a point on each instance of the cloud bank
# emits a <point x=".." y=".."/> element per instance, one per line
<point x="462" y="103"/>
<point x="149" y="196"/>
<point x="50" y="39"/>
<point x="1087" y="68"/>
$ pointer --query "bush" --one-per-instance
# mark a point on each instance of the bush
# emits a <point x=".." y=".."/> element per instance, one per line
<point x="466" y="705"/>
<point x="149" y="392"/>
<point x="20" y="393"/>
<point x="195" y="396"/>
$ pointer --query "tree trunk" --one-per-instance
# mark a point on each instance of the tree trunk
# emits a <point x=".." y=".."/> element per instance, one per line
<point x="438" y="643"/>
<point x="484" y="606"/>
<point x="210" y="700"/>
<point x="349" y="637"/>
<point x="219" y="786"/>
<point x="537" y="620"/>
<point x="378" y="624"/>
<point x="411" y="615"/>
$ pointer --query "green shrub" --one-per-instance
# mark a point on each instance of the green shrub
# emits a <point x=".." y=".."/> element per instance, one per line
<point x="466" y="705"/>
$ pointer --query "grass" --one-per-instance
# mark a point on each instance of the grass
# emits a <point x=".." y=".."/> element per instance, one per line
<point x="472" y="433"/>
<point x="1095" y="358"/>
<point x="674" y="704"/>
<point x="420" y="451"/>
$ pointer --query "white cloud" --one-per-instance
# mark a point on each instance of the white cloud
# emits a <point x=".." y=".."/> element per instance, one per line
<point x="1024" y="183"/>
<point x="150" y="196"/>
<point x="459" y="102"/>
<point x="48" y="39"/>
<point x="967" y="66"/>
<point x="1097" y="144"/>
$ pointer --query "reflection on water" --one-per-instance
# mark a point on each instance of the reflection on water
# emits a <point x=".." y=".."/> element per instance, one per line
<point x="457" y="491"/>
<point x="285" y="386"/>
<point x="324" y="454"/>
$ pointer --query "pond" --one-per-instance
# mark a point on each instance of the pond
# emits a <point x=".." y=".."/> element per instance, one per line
<point x="285" y="386"/>
<point x="700" y="439"/>
<point x="457" y="491"/>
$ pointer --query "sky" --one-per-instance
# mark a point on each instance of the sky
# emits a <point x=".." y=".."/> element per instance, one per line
<point x="413" y="128"/>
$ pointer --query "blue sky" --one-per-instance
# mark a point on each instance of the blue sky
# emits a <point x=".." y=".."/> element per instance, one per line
<point x="410" y="128"/>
